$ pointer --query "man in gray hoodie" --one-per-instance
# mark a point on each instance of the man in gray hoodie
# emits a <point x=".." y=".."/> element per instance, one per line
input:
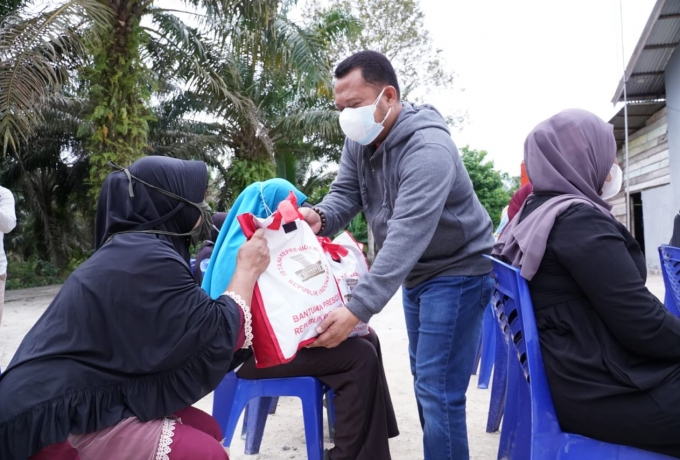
<point x="400" y="166"/>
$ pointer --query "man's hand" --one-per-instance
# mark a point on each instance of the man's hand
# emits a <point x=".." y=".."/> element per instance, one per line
<point x="312" y="218"/>
<point x="335" y="328"/>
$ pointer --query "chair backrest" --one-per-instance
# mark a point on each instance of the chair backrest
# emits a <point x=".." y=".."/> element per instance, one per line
<point x="512" y="302"/>
<point x="670" y="269"/>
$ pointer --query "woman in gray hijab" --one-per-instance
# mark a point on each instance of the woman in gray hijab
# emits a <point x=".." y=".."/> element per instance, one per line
<point x="611" y="350"/>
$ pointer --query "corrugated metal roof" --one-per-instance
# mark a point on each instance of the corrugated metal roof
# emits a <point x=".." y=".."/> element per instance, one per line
<point x="658" y="41"/>
<point x="672" y="8"/>
<point x="638" y="114"/>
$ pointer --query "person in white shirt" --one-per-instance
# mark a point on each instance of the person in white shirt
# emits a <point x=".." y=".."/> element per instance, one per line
<point x="8" y="220"/>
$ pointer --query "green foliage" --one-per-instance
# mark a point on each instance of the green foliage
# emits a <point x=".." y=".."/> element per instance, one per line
<point x="9" y="6"/>
<point x="38" y="52"/>
<point x="511" y="183"/>
<point x="359" y="229"/>
<point x="86" y="82"/>
<point x="300" y="170"/>
<point x="487" y="181"/>
<point x="316" y="193"/>
<point x="397" y="29"/>
<point x="119" y="92"/>
<point x="48" y="175"/>
<point x="244" y="172"/>
<point x="33" y="273"/>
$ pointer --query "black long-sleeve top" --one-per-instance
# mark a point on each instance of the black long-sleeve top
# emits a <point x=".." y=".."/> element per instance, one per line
<point x="611" y="349"/>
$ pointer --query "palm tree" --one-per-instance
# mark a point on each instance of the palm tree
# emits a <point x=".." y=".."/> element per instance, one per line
<point x="248" y="65"/>
<point x="47" y="175"/>
<point x="107" y="46"/>
<point x="95" y="80"/>
<point x="283" y="70"/>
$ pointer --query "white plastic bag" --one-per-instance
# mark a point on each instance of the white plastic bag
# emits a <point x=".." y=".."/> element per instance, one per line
<point x="296" y="291"/>
<point x="348" y="264"/>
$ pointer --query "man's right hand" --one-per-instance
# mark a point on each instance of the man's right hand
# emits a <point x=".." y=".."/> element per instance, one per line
<point x="312" y="218"/>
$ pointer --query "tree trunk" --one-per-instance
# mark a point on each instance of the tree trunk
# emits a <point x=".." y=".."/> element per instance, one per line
<point x="119" y="93"/>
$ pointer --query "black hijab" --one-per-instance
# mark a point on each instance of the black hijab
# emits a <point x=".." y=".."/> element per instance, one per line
<point x="130" y="333"/>
<point x="218" y="221"/>
<point x="118" y="211"/>
<point x="675" y="239"/>
<point x="206" y="250"/>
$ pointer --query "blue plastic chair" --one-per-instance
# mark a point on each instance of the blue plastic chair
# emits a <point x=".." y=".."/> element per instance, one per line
<point x="233" y="394"/>
<point x="500" y="378"/>
<point x="492" y="355"/>
<point x="247" y="429"/>
<point x="670" y="269"/>
<point x="488" y="346"/>
<point x="252" y="429"/>
<point x="531" y="430"/>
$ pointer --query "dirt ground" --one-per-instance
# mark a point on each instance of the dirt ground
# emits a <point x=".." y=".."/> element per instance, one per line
<point x="284" y="433"/>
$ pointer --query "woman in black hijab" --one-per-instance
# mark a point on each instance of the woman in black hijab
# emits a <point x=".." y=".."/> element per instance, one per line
<point x="675" y="239"/>
<point x="203" y="255"/>
<point x="131" y="338"/>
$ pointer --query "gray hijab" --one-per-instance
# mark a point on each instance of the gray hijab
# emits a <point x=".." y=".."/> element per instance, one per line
<point x="571" y="154"/>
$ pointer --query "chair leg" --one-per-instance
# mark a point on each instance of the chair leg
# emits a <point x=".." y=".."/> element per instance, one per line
<point x="275" y="402"/>
<point x="272" y="410"/>
<point x="499" y="388"/>
<point x="312" y="410"/>
<point x="478" y="357"/>
<point x="255" y="420"/>
<point x="223" y="401"/>
<point x="488" y="348"/>
<point x="330" y="414"/>
<point x="238" y="405"/>
<point x="515" y="441"/>
<point x="244" y="425"/>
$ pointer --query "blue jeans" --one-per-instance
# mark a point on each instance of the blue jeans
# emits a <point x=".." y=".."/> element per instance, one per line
<point x="443" y="320"/>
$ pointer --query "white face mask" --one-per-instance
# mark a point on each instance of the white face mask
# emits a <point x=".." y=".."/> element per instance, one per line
<point x="358" y="123"/>
<point x="611" y="188"/>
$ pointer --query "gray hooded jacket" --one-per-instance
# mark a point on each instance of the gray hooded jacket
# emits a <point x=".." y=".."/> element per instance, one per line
<point x="419" y="201"/>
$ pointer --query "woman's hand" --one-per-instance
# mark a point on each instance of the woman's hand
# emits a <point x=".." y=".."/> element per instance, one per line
<point x="251" y="261"/>
<point x="253" y="257"/>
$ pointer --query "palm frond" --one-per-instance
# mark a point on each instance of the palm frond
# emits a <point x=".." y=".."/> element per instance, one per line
<point x="36" y="52"/>
<point x="187" y="54"/>
<point x="302" y="50"/>
<point x="312" y="122"/>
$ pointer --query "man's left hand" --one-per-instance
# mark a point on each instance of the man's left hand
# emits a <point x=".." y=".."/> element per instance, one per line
<point x="335" y="328"/>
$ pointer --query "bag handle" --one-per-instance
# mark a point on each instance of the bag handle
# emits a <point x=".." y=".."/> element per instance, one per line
<point x="287" y="211"/>
<point x="336" y="251"/>
<point x="247" y="223"/>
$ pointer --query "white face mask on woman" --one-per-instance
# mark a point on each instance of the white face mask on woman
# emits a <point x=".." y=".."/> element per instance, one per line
<point x="358" y="123"/>
<point x="611" y="188"/>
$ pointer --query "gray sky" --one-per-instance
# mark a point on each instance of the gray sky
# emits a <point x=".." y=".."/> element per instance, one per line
<point x="522" y="61"/>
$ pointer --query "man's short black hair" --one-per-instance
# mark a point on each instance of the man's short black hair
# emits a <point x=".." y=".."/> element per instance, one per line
<point x="375" y="68"/>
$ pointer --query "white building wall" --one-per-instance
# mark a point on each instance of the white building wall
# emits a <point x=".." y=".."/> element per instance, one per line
<point x="673" y="108"/>
<point x="658" y="213"/>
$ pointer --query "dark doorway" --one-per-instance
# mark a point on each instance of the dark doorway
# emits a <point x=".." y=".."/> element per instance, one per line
<point x="636" y="219"/>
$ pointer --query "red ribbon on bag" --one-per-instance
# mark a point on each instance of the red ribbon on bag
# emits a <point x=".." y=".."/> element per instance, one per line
<point x="336" y="251"/>
<point x="287" y="211"/>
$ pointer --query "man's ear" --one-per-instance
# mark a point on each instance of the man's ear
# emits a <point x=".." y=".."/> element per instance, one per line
<point x="390" y="94"/>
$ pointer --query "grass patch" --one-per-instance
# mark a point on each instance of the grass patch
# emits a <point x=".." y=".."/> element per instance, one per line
<point x="33" y="273"/>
